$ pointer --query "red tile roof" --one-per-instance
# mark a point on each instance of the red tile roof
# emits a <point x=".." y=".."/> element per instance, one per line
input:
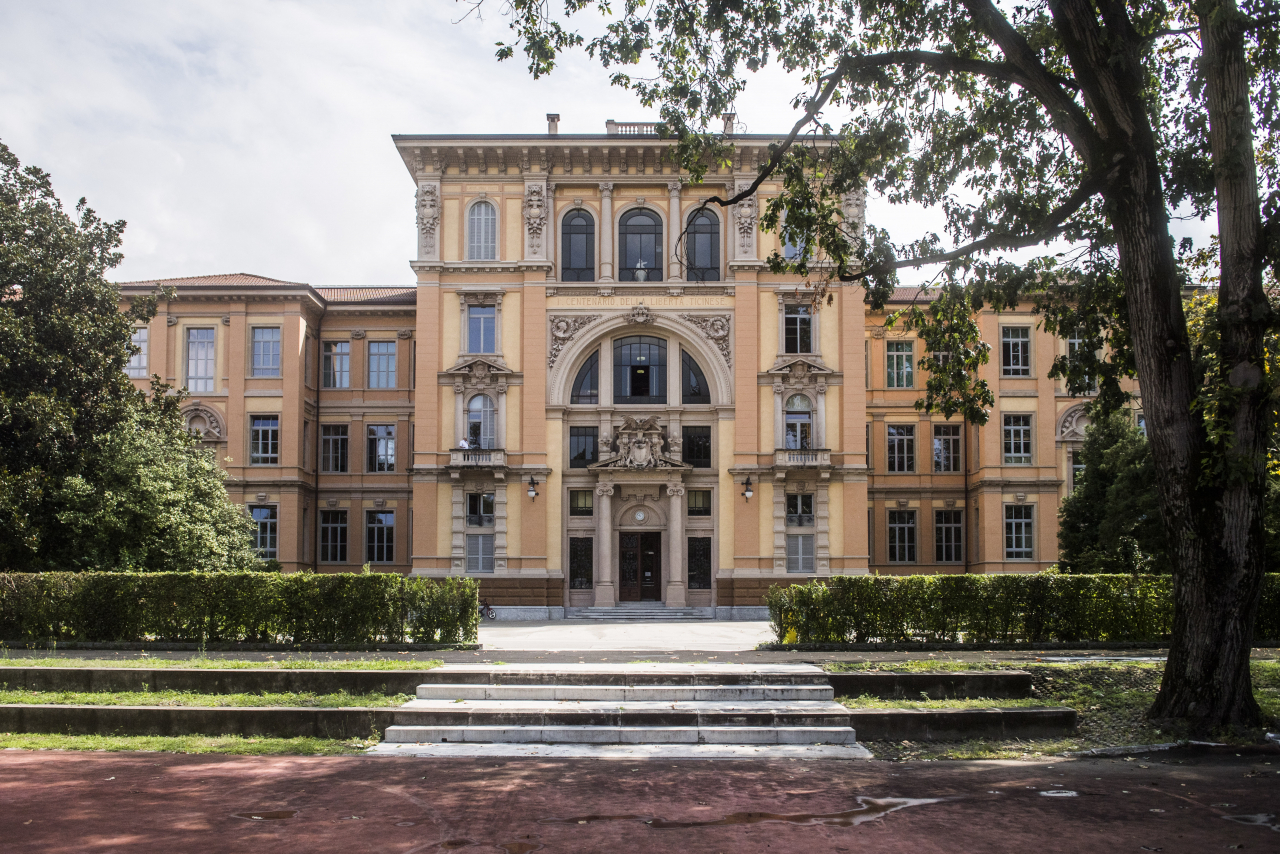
<point x="379" y="296"/>
<point x="220" y="280"/>
<point x="914" y="294"/>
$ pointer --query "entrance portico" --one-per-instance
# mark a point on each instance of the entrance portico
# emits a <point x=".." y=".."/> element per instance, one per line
<point x="635" y="508"/>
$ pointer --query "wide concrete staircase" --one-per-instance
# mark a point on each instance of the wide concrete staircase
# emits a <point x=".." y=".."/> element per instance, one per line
<point x="625" y="612"/>
<point x="632" y="704"/>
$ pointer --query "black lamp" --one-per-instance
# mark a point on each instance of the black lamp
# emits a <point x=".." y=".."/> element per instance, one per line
<point x="747" y="492"/>
<point x="533" y="487"/>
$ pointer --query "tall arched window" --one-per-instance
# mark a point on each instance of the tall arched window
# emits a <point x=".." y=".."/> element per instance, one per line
<point x="481" y="426"/>
<point x="578" y="253"/>
<point x="640" y="370"/>
<point x="703" y="243"/>
<point x="640" y="247"/>
<point x="586" y="388"/>
<point x="693" y="384"/>
<point x="482" y="232"/>
<point x="799" y="423"/>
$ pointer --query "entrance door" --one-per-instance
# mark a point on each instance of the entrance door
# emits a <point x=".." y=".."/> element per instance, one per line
<point x="639" y="566"/>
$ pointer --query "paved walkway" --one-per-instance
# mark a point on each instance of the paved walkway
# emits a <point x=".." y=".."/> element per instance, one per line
<point x="594" y="635"/>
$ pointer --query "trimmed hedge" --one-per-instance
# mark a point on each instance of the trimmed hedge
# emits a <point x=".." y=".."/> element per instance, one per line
<point x="1040" y="608"/>
<point x="261" y="607"/>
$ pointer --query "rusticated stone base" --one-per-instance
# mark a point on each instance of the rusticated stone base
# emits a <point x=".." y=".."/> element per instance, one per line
<point x="750" y="591"/>
<point x="523" y="592"/>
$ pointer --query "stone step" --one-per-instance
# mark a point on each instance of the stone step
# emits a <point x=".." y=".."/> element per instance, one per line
<point x="669" y="674"/>
<point x="620" y="734"/>
<point x="543" y="713"/>
<point x="626" y="693"/>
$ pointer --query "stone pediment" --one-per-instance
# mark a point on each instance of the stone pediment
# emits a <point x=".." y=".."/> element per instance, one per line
<point x="798" y="367"/>
<point x="483" y="373"/>
<point x="659" y="462"/>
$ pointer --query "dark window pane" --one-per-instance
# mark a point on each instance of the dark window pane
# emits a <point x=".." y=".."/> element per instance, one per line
<point x="640" y="247"/>
<point x="581" y="502"/>
<point x="699" y="502"/>
<point x="703" y="241"/>
<point x="586" y="388"/>
<point x="694" y="384"/>
<point x="640" y="370"/>
<point x="699" y="563"/>
<point x="696" y="446"/>
<point x="579" y="247"/>
<point x="582" y="446"/>
<point x="581" y="562"/>
<point x="800" y="510"/>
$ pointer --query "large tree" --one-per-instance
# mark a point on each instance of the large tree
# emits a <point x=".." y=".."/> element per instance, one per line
<point x="1077" y="126"/>
<point x="94" y="474"/>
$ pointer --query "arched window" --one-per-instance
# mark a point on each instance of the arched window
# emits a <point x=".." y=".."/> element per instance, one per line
<point x="640" y="370"/>
<point x="693" y="384"/>
<point x="481" y="427"/>
<point x="703" y="243"/>
<point x="640" y="247"/>
<point x="799" y="423"/>
<point x="586" y="388"/>
<point x="578" y="255"/>
<point x="482" y="232"/>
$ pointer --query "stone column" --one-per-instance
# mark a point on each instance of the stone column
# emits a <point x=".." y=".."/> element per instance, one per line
<point x="676" y="587"/>
<point x="606" y="232"/>
<point x="606" y="596"/>
<point x="674" y="267"/>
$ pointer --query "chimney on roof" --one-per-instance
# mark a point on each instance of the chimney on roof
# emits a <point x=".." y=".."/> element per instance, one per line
<point x="553" y="123"/>
<point x="728" y="123"/>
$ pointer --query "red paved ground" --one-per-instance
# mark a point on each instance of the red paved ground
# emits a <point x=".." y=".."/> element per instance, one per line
<point x="140" y="802"/>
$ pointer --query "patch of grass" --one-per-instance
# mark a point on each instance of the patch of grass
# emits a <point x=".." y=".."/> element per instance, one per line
<point x="915" y="665"/>
<point x="866" y="701"/>
<point x="186" y="698"/>
<point x="231" y="744"/>
<point x="286" y="662"/>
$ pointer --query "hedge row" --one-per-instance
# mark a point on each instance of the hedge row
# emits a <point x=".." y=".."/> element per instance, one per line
<point x="238" y="606"/>
<point x="1040" y="608"/>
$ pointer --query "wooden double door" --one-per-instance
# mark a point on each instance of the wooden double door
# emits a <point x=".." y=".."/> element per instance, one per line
<point x="639" y="566"/>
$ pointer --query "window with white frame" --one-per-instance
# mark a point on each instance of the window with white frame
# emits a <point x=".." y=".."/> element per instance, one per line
<point x="482" y="328"/>
<point x="333" y="536"/>
<point x="1017" y="440"/>
<point x="901" y="450"/>
<point x="902" y="536"/>
<point x="382" y="364"/>
<point x="1015" y="351"/>
<point x="482" y="429"/>
<point x="264" y="440"/>
<point x="381" y="447"/>
<point x="333" y="448"/>
<point x="946" y="448"/>
<point x="137" y="364"/>
<point x="336" y="367"/>
<point x="266" y="351"/>
<point x="800" y="553"/>
<point x="264" y="532"/>
<point x="899" y="370"/>
<point x="1018" y="532"/>
<point x="480" y="510"/>
<point x="200" y="361"/>
<point x="948" y="536"/>
<point x="800" y="510"/>
<point x="797" y="329"/>
<point x="479" y="552"/>
<point x="798" y="423"/>
<point x="380" y="536"/>
<point x="482" y="232"/>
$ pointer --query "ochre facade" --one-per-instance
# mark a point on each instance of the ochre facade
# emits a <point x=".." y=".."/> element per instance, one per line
<point x="618" y="362"/>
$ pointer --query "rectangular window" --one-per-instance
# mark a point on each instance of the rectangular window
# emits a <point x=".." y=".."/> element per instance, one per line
<point x="137" y="364"/>
<point x="1074" y="342"/>
<point x="699" y="563"/>
<point x="264" y="440"/>
<point x="479" y="552"/>
<point x="582" y="502"/>
<point x="380" y="536"/>
<point x="581" y="563"/>
<point x="264" y="534"/>
<point x="266" y="351"/>
<point x="800" y="510"/>
<point x="480" y="510"/>
<point x="946" y="447"/>
<point x="901" y="447"/>
<point x="902" y="536"/>
<point x="1015" y="351"/>
<point x="696" y="446"/>
<point x="583" y="445"/>
<point x="482" y="329"/>
<point x="333" y="448"/>
<point x="948" y="536"/>
<point x="1077" y="468"/>
<point x="382" y="364"/>
<point x="899" y="370"/>
<point x="797" y="327"/>
<point x="800" y="553"/>
<point x="699" y="502"/>
<point x="333" y="536"/>
<point x="1018" y="535"/>
<point x="337" y="364"/>
<point x="382" y="447"/>
<point x="200" y="360"/>
<point x="1017" y="440"/>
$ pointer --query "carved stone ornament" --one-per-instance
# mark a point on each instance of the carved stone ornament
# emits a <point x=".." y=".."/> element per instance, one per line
<point x="428" y="216"/>
<point x="1071" y="425"/>
<point x="853" y="205"/>
<point x="745" y="215"/>
<point x="715" y="328"/>
<point x="357" y="333"/>
<point x="675" y="489"/>
<point x="535" y="216"/>
<point x="204" y="423"/>
<point x="640" y="314"/>
<point x="603" y="489"/>
<point x="563" y="328"/>
<point x="640" y="446"/>
<point x="404" y="333"/>
<point x="480" y="375"/>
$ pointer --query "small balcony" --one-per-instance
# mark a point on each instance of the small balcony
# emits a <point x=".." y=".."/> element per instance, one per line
<point x="802" y="458"/>
<point x="477" y="457"/>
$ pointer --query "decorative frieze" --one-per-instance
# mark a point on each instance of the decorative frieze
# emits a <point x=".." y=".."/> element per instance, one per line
<point x="715" y="328"/>
<point x="563" y="328"/>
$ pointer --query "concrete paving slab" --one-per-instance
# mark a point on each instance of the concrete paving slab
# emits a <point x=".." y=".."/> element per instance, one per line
<point x="593" y="635"/>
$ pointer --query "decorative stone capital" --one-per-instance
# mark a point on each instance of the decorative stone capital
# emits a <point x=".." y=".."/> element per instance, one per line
<point x="675" y="489"/>
<point x="603" y="489"/>
<point x="606" y="188"/>
<point x="404" y="334"/>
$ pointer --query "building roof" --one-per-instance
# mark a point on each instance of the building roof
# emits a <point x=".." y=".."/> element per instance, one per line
<point x="219" y="280"/>
<point x="914" y="294"/>
<point x="375" y="296"/>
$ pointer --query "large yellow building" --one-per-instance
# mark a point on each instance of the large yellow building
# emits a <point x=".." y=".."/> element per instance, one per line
<point x="596" y="393"/>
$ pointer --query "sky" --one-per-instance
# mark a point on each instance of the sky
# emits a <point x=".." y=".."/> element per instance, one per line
<point x="255" y="137"/>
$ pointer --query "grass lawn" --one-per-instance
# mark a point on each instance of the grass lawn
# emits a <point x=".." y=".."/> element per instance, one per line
<point x="187" y="698"/>
<point x="287" y="661"/>
<point x="232" y="744"/>
<point x="1111" y="699"/>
